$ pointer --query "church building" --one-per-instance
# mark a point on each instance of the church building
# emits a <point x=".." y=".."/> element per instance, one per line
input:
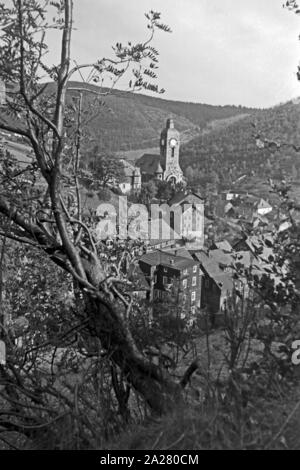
<point x="164" y="167"/>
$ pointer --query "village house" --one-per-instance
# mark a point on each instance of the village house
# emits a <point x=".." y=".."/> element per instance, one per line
<point x="176" y="275"/>
<point x="220" y="279"/>
<point x="263" y="207"/>
<point x="217" y="286"/>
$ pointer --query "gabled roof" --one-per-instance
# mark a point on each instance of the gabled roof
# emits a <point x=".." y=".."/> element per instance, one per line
<point x="163" y="258"/>
<point x="262" y="204"/>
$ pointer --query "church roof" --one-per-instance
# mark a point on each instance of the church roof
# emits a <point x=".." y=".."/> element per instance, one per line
<point x="149" y="163"/>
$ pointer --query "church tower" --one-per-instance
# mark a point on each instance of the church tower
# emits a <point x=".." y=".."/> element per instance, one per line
<point x="169" y="153"/>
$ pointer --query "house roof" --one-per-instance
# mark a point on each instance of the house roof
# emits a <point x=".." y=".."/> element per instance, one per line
<point x="163" y="258"/>
<point x="225" y="282"/>
<point x="224" y="245"/>
<point x="262" y="204"/>
<point x="183" y="252"/>
<point x="228" y="207"/>
<point x="261" y="247"/>
<point x="221" y="258"/>
<point x="209" y="265"/>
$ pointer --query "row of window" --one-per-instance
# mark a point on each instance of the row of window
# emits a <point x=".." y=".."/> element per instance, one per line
<point x="185" y="272"/>
<point x="194" y="282"/>
<point x="158" y="294"/>
<point x="167" y="280"/>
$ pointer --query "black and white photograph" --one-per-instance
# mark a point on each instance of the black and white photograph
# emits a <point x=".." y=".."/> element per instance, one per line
<point x="149" y="229"/>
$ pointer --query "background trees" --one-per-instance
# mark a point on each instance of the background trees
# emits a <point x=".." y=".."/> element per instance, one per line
<point x="105" y="167"/>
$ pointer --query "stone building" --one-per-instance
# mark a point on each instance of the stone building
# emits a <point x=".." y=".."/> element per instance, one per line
<point x="165" y="166"/>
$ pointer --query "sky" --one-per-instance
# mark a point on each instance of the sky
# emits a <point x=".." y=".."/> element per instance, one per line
<point x="242" y="52"/>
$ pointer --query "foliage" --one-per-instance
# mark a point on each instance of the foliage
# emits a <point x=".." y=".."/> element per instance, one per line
<point x="104" y="168"/>
<point x="224" y="155"/>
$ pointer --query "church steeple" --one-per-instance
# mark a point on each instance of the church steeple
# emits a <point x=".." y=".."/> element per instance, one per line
<point x="169" y="152"/>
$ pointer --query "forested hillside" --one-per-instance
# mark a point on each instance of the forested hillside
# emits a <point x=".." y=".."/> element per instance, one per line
<point x="127" y="121"/>
<point x="226" y="154"/>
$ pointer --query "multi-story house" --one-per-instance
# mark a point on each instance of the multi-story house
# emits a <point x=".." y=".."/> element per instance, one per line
<point x="175" y="277"/>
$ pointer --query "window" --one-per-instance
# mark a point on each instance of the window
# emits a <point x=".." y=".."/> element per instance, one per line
<point x="165" y="280"/>
<point x="194" y="282"/>
<point x="165" y="270"/>
<point x="195" y="269"/>
<point x="184" y="283"/>
<point x="155" y="279"/>
<point x="206" y="283"/>
<point x="185" y="272"/>
<point x="193" y="296"/>
<point x="193" y="310"/>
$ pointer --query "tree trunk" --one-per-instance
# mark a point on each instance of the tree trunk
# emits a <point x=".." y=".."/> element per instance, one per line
<point x="160" y="392"/>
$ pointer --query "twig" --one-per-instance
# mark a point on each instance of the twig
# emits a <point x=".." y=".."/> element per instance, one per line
<point x="288" y="419"/>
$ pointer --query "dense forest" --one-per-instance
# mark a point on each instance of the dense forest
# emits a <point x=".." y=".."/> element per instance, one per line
<point x="224" y="155"/>
<point x="128" y="121"/>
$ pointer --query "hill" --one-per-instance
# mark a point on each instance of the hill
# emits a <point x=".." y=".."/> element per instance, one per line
<point x="224" y="155"/>
<point x="126" y="121"/>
